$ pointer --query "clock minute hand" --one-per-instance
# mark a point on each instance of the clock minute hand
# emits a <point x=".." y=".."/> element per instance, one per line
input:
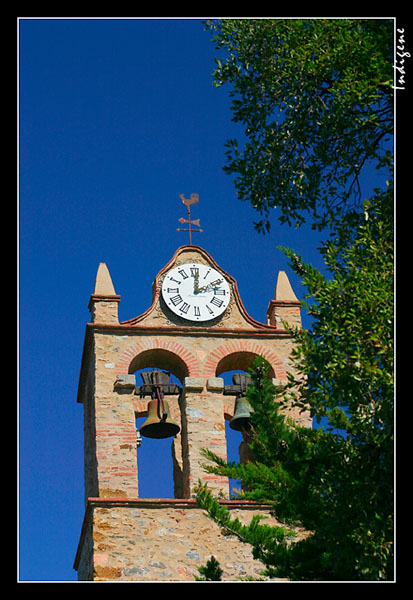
<point x="196" y="282"/>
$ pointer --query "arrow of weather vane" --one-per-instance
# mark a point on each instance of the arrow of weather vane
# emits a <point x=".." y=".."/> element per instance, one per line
<point x="193" y="199"/>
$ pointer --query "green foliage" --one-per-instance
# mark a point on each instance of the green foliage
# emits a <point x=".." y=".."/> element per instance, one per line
<point x="347" y="363"/>
<point x="335" y="481"/>
<point x="211" y="571"/>
<point x="347" y="357"/>
<point x="315" y="98"/>
<point x="264" y="539"/>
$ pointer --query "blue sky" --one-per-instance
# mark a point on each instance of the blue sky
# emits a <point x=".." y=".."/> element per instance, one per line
<point x="117" y="118"/>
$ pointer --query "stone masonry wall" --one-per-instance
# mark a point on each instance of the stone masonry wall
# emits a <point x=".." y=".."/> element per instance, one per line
<point x="161" y="540"/>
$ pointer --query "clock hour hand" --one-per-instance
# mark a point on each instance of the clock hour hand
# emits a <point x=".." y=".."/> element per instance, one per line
<point x="210" y="286"/>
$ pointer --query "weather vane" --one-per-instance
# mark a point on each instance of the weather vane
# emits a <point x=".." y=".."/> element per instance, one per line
<point x="193" y="199"/>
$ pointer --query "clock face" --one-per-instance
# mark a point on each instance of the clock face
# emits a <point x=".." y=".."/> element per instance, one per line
<point x="196" y="292"/>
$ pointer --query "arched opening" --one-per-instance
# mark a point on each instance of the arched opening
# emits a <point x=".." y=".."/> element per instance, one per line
<point x="159" y="460"/>
<point x="227" y="367"/>
<point x="158" y="358"/>
<point x="237" y="362"/>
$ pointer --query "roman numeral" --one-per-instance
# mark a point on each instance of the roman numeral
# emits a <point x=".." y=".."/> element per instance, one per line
<point x="173" y="290"/>
<point x="219" y="292"/>
<point x="217" y="302"/>
<point x="182" y="272"/>
<point x="175" y="280"/>
<point x="211" y="312"/>
<point x="197" y="312"/>
<point x="194" y="271"/>
<point x="184" y="308"/>
<point x="176" y="300"/>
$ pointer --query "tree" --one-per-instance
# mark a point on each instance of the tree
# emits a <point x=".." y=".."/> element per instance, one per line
<point x="211" y="571"/>
<point x="335" y="481"/>
<point x="315" y="98"/>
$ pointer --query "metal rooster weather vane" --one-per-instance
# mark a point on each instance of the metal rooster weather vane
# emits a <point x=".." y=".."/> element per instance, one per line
<point x="193" y="199"/>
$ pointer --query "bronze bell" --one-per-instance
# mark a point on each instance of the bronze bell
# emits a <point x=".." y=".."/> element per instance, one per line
<point x="159" y="423"/>
<point x="242" y="414"/>
<point x="241" y="419"/>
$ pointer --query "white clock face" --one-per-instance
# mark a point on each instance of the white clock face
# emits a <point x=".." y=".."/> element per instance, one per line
<point x="196" y="292"/>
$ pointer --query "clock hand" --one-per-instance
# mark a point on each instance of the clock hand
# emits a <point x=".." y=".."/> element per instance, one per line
<point x="196" y="282"/>
<point x="210" y="286"/>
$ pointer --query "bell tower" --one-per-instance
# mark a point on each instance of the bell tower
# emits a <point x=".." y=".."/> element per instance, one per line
<point x="167" y="365"/>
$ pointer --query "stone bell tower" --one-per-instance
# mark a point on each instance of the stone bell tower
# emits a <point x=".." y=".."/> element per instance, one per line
<point x="197" y="329"/>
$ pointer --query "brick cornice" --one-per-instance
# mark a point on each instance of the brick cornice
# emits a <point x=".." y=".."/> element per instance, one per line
<point x="190" y="330"/>
<point x="105" y="298"/>
<point x="169" y="502"/>
<point x="285" y="303"/>
<point x="102" y="298"/>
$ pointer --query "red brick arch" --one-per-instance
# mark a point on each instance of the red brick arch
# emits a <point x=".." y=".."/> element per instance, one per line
<point x="150" y="346"/>
<point x="238" y="354"/>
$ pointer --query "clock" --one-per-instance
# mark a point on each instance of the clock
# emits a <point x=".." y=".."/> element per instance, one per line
<point x="196" y="292"/>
